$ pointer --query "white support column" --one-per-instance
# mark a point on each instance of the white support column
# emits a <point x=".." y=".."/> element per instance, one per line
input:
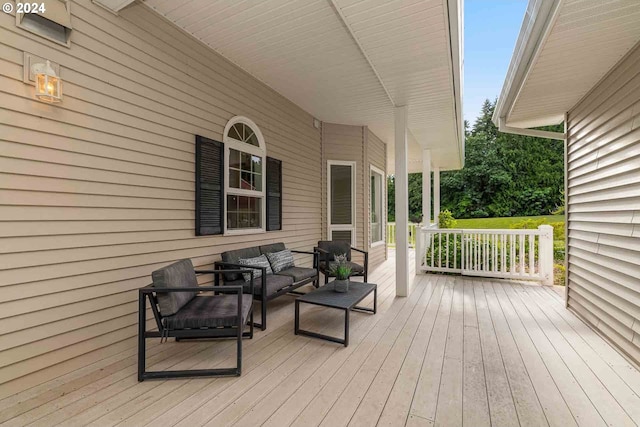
<point x="426" y="187"/>
<point x="436" y="194"/>
<point x="402" y="202"/>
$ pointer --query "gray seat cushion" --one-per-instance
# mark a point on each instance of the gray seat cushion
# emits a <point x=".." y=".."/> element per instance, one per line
<point x="273" y="247"/>
<point x="234" y="256"/>
<point x="334" y="248"/>
<point x="299" y="273"/>
<point x="177" y="275"/>
<point x="355" y="268"/>
<point x="211" y="311"/>
<point x="275" y="282"/>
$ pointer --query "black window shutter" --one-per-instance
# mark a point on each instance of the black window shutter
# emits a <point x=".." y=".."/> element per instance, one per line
<point x="274" y="194"/>
<point x="209" y="186"/>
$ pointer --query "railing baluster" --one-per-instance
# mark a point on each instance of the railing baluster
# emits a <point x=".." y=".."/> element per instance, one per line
<point x="447" y="258"/>
<point x="522" y="255"/>
<point x="531" y="254"/>
<point x="455" y="250"/>
<point x="440" y="250"/>
<point x="433" y="256"/>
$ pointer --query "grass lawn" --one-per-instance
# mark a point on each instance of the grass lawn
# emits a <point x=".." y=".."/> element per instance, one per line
<point x="503" y="222"/>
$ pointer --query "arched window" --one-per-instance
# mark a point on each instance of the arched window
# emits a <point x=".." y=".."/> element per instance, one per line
<point x="245" y="157"/>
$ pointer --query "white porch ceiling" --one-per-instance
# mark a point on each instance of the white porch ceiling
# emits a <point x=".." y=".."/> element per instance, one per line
<point x="582" y="41"/>
<point x="346" y="61"/>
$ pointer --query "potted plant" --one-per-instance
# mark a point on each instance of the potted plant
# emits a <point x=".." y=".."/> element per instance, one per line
<point x="342" y="272"/>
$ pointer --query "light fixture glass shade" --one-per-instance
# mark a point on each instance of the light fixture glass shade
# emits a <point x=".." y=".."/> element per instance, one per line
<point x="48" y="84"/>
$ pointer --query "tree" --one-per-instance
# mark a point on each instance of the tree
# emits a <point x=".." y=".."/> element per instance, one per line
<point x="504" y="175"/>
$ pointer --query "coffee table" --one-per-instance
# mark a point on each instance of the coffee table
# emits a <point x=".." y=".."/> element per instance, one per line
<point x="347" y="301"/>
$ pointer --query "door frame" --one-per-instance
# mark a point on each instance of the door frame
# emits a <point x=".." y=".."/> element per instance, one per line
<point x="342" y="227"/>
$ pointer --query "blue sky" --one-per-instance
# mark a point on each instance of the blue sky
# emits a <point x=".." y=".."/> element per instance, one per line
<point x="490" y="33"/>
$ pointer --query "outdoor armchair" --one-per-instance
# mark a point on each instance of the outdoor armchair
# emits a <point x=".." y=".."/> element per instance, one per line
<point x="328" y="249"/>
<point x="180" y="311"/>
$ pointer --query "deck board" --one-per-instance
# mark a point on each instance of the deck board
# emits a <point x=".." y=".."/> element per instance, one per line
<point x="457" y="351"/>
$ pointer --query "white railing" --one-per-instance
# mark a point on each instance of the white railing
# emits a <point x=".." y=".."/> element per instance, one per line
<point x="391" y="234"/>
<point x="508" y="254"/>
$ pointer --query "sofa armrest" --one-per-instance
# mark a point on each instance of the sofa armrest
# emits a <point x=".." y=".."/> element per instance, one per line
<point x="322" y="254"/>
<point x="220" y="272"/>
<point x="366" y="259"/>
<point x="314" y="253"/>
<point x="246" y="270"/>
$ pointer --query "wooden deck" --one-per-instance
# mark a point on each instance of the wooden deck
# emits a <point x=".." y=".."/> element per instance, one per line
<point x="458" y="351"/>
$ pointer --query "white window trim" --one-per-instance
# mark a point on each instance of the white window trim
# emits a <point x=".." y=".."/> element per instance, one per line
<point x="382" y="240"/>
<point x="342" y="227"/>
<point x="261" y="151"/>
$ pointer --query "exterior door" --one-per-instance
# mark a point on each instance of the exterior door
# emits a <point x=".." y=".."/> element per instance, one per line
<point x="341" y="209"/>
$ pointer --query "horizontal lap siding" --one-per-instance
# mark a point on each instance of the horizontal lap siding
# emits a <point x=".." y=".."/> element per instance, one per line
<point x="604" y="206"/>
<point x="98" y="191"/>
<point x="377" y="154"/>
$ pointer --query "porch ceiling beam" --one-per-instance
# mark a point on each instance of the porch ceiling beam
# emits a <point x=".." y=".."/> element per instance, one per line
<point x="338" y="11"/>
<point x="530" y="132"/>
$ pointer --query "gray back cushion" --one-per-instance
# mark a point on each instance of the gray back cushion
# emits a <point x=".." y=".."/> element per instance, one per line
<point x="259" y="261"/>
<point x="271" y="248"/>
<point x="281" y="260"/>
<point x="335" y="248"/>
<point x="234" y="256"/>
<point x="177" y="275"/>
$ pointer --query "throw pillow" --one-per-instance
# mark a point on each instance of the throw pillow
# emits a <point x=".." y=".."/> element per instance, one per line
<point x="281" y="260"/>
<point x="259" y="261"/>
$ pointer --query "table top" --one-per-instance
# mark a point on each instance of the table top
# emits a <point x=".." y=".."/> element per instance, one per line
<point x="326" y="296"/>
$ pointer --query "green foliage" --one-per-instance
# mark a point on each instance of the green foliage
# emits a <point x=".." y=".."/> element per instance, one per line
<point x="446" y="220"/>
<point x="558" y="230"/>
<point x="558" y="250"/>
<point x="341" y="269"/>
<point x="529" y="223"/>
<point x="342" y="272"/>
<point x="504" y="222"/>
<point x="504" y="175"/>
<point x="559" y="274"/>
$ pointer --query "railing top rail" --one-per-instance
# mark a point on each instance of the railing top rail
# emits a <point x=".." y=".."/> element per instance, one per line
<point x="511" y="231"/>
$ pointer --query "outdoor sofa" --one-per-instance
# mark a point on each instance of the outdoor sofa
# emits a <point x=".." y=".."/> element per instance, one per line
<point x="268" y="286"/>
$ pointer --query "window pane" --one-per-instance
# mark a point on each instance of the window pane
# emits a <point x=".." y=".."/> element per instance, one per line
<point x="234" y="178"/>
<point x="235" y="132"/>
<point x="341" y="194"/>
<point x="256" y="163"/>
<point x="234" y="159"/>
<point x="246" y="181"/>
<point x="257" y="182"/>
<point x="253" y="140"/>
<point x="245" y="162"/>
<point x="341" y="235"/>
<point x="243" y="212"/>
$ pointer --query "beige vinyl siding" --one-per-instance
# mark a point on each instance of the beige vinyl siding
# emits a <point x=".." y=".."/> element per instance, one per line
<point x="98" y="191"/>
<point x="377" y="156"/>
<point x="603" y="152"/>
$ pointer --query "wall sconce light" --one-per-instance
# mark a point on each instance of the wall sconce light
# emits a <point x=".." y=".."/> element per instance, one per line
<point x="48" y="84"/>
